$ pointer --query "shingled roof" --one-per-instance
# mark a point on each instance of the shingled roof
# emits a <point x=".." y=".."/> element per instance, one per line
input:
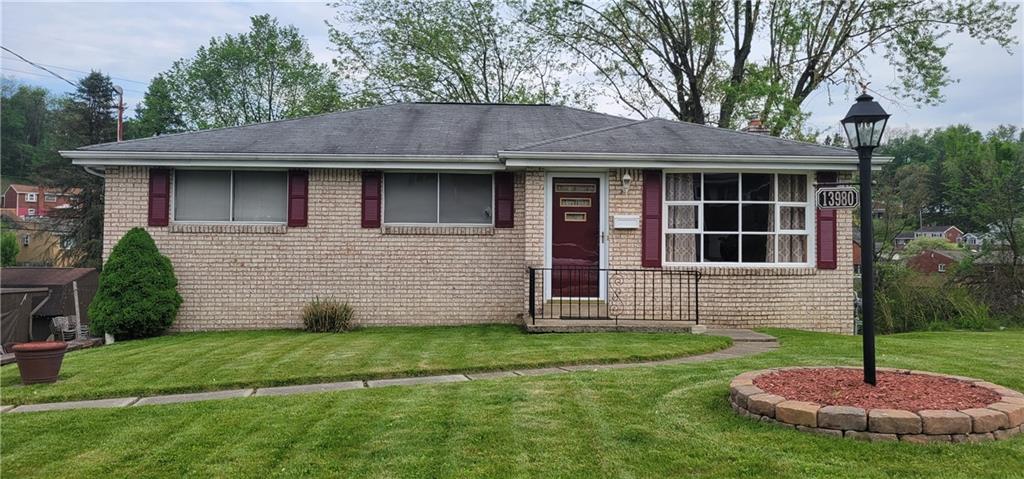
<point x="399" y="129"/>
<point x="657" y="136"/>
<point x="469" y="129"/>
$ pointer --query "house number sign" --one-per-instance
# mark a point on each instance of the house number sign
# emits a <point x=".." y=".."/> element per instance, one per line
<point x="838" y="198"/>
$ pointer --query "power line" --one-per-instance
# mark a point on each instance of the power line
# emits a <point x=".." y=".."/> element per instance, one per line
<point x="47" y="70"/>
<point x="126" y="106"/>
<point x="9" y="69"/>
<point x="86" y="73"/>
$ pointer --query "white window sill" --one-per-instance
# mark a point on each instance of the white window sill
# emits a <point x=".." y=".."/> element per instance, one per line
<point x="438" y="230"/>
<point x="230" y="228"/>
<point x="779" y="269"/>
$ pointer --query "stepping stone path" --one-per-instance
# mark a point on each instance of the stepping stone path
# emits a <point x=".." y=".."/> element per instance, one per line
<point x="745" y="343"/>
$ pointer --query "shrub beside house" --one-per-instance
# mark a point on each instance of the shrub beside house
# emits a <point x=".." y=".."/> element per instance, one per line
<point x="137" y="296"/>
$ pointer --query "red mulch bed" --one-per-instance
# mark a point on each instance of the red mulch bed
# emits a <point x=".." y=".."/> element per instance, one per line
<point x="846" y="387"/>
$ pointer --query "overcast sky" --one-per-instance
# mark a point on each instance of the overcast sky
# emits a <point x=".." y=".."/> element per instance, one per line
<point x="133" y="41"/>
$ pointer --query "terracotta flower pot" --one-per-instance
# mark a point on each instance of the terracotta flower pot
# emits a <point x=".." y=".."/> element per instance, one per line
<point x="39" y="362"/>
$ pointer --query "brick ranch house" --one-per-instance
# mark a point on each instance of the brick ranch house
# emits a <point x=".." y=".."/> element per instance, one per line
<point x="428" y="213"/>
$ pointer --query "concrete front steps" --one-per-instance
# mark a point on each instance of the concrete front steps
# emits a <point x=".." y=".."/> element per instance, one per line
<point x="611" y="325"/>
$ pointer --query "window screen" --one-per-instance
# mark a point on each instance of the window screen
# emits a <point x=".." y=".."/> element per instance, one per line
<point x="465" y="198"/>
<point x="254" y="196"/>
<point x="445" y="198"/>
<point x="410" y="198"/>
<point x="260" y="196"/>
<point x="202" y="195"/>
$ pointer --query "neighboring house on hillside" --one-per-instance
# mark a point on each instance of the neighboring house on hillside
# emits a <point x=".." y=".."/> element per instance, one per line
<point x="971" y="239"/>
<point x="950" y="233"/>
<point x="39" y="241"/>
<point x="935" y="260"/>
<point x="26" y="201"/>
<point x="902" y="239"/>
<point x="433" y="213"/>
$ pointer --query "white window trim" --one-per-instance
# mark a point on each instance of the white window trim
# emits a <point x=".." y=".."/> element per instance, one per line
<point x="31" y="197"/>
<point x="46" y="198"/>
<point x="942" y="267"/>
<point x="810" y="231"/>
<point x="231" y="198"/>
<point x="437" y="185"/>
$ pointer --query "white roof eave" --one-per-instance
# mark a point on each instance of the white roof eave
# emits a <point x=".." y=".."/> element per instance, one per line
<point x="530" y="159"/>
<point x="503" y="160"/>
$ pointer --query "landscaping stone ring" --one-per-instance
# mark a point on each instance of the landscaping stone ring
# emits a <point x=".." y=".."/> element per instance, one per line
<point x="909" y="406"/>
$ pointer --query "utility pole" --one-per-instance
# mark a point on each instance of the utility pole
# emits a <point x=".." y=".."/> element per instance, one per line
<point x="120" y="113"/>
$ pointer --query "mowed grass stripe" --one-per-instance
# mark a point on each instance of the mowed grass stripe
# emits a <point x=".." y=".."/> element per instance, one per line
<point x="665" y="421"/>
<point x="193" y="362"/>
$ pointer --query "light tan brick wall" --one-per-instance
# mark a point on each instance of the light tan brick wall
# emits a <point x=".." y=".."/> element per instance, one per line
<point x="245" y="276"/>
<point x="242" y="277"/>
<point x="535" y="182"/>
<point x="803" y="298"/>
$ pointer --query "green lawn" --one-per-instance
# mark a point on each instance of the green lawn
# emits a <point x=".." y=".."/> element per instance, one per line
<point x="667" y="421"/>
<point x="209" y="361"/>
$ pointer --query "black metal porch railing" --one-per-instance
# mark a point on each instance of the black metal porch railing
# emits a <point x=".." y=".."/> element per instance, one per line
<point x="614" y="294"/>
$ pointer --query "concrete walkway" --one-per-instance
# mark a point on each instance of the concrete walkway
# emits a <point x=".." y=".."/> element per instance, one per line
<point x="745" y="343"/>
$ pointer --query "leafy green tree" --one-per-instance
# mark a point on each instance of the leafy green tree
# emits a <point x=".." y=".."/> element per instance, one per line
<point x="904" y="193"/>
<point x="990" y="188"/>
<point x="918" y="245"/>
<point x="84" y="117"/>
<point x="445" y="50"/>
<point x="8" y="248"/>
<point x="265" y="74"/>
<point x="959" y="176"/>
<point x="157" y="114"/>
<point x="89" y="114"/>
<point x="26" y="120"/>
<point x="137" y="296"/>
<point x="688" y="57"/>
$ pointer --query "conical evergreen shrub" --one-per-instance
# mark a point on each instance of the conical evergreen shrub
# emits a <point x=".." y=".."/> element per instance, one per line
<point x="137" y="296"/>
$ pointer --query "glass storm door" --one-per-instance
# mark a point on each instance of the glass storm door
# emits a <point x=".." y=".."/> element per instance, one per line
<point x="575" y="238"/>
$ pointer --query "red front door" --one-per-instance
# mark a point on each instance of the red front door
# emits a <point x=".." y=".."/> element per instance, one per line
<point x="575" y="238"/>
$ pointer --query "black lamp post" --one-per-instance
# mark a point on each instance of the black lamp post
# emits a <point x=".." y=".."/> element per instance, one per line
<point x="864" y="124"/>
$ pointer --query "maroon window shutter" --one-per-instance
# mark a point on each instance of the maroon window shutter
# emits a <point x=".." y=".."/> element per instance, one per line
<point x="159" y="196"/>
<point x="826" y="229"/>
<point x="298" y="198"/>
<point x="504" y="200"/>
<point x="650" y="256"/>
<point x="371" y="199"/>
